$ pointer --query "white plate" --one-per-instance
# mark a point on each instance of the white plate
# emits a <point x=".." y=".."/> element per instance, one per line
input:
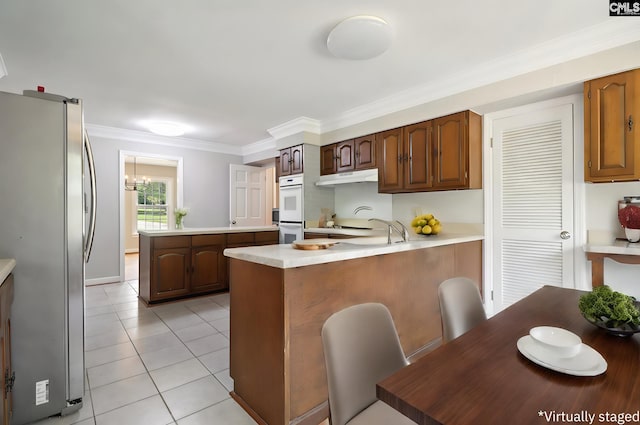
<point x="588" y="362"/>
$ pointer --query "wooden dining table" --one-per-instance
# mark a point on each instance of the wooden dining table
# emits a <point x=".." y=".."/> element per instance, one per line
<point x="482" y="378"/>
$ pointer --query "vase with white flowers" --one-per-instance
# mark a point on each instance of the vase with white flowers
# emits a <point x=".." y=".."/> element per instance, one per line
<point x="180" y="213"/>
<point x="629" y="218"/>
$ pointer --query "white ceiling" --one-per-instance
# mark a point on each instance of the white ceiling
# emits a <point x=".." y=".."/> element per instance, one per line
<point x="232" y="70"/>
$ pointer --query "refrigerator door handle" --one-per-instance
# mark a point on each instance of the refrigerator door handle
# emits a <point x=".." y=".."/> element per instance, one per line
<point x="92" y="178"/>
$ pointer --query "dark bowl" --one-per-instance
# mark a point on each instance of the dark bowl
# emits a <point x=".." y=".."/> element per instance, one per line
<point x="613" y="327"/>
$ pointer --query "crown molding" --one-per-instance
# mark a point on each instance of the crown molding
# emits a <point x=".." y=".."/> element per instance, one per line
<point x="260" y="146"/>
<point x="610" y="34"/>
<point x="295" y="126"/>
<point x="114" y="133"/>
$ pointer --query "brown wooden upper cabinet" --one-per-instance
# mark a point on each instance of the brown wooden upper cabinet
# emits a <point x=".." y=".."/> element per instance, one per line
<point x="405" y="158"/>
<point x="457" y="153"/>
<point x="439" y="154"/>
<point x="328" y="159"/>
<point x="365" y="152"/>
<point x="417" y="158"/>
<point x="291" y="160"/>
<point x="349" y="155"/>
<point x="390" y="160"/>
<point x="611" y="141"/>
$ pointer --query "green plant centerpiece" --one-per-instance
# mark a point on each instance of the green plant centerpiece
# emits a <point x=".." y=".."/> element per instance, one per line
<point x="610" y="310"/>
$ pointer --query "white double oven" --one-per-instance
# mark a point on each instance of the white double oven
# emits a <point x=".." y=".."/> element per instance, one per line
<point x="291" y="208"/>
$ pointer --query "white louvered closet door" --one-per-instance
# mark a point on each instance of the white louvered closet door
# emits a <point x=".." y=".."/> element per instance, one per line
<point x="533" y="203"/>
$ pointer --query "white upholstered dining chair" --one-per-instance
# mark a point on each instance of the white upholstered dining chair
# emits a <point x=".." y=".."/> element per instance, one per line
<point x="461" y="307"/>
<point x="361" y="347"/>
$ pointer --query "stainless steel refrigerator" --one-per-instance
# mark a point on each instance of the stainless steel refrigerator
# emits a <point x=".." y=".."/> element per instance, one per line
<point x="47" y="220"/>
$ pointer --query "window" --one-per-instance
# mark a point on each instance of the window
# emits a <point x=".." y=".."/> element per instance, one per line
<point x="152" y="211"/>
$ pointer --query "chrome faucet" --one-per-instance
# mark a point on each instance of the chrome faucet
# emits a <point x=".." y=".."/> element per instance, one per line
<point x="362" y="208"/>
<point x="402" y="230"/>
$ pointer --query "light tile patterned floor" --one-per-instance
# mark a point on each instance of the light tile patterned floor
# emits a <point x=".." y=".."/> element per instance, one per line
<point x="167" y="364"/>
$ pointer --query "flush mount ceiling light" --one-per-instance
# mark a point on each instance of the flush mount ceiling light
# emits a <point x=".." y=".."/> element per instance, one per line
<point x="359" y="37"/>
<point x="166" y="128"/>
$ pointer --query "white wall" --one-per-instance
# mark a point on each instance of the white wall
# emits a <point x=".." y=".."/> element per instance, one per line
<point x="206" y="193"/>
<point x="350" y="196"/>
<point x="601" y="210"/>
<point x="452" y="206"/>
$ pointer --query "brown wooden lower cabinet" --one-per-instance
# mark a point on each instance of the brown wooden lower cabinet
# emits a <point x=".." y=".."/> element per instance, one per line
<point x="276" y="356"/>
<point x="172" y="267"/>
<point x="207" y="270"/>
<point x="170" y="272"/>
<point x="6" y="298"/>
<point x="208" y="264"/>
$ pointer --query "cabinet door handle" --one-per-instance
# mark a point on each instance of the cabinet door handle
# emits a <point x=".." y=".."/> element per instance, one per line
<point x="399" y="158"/>
<point x="630" y="123"/>
<point x="406" y="157"/>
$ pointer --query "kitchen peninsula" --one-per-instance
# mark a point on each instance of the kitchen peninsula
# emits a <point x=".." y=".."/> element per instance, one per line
<point x="186" y="262"/>
<point x="281" y="296"/>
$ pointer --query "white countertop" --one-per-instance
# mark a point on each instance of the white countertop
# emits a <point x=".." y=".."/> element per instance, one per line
<point x="345" y="231"/>
<point x="284" y="256"/>
<point x="615" y="247"/>
<point x="6" y="267"/>
<point x="207" y="230"/>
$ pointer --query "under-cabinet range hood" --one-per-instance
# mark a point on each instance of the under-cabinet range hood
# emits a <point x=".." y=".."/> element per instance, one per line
<point x="361" y="176"/>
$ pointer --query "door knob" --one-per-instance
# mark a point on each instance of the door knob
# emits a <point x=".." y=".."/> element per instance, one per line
<point x="233" y="222"/>
<point x="565" y="235"/>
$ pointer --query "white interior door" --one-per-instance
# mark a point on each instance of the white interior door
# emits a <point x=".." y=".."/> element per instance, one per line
<point x="532" y="202"/>
<point x="247" y="203"/>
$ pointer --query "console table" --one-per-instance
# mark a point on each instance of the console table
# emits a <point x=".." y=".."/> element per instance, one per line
<point x="619" y="251"/>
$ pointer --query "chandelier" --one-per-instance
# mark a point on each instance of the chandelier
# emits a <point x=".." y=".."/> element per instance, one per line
<point x="133" y="185"/>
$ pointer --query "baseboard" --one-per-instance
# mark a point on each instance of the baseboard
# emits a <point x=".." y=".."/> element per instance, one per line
<point x="102" y="280"/>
